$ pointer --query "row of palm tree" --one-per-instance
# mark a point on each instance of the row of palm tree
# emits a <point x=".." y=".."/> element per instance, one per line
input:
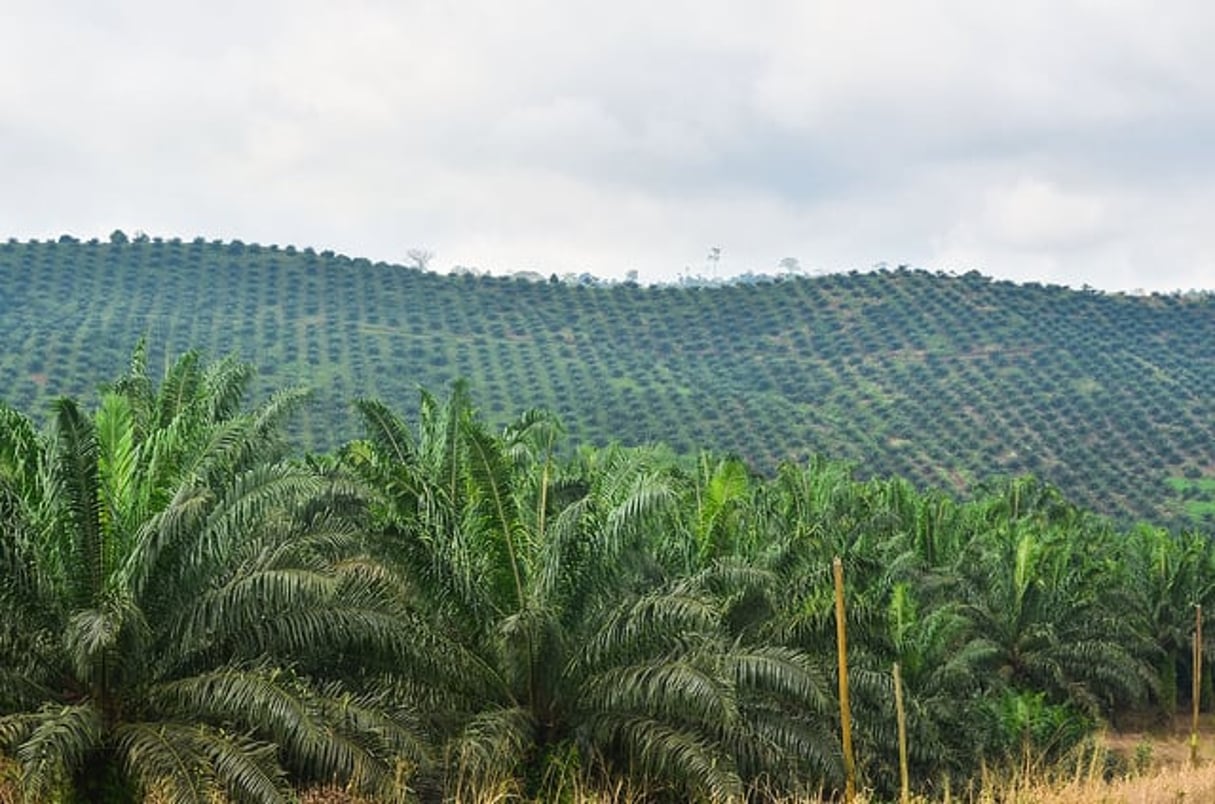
<point x="440" y="608"/>
<point x="1107" y="396"/>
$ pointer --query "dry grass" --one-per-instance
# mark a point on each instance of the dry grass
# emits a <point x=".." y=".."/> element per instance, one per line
<point x="1164" y="786"/>
<point x="1164" y="778"/>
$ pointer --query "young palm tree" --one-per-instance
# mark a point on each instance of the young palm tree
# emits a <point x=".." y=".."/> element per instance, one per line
<point x="173" y="595"/>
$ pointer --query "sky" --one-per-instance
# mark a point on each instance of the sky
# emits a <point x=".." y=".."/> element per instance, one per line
<point x="1068" y="142"/>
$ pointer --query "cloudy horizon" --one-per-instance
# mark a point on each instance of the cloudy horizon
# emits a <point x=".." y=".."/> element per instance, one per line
<point x="1059" y="142"/>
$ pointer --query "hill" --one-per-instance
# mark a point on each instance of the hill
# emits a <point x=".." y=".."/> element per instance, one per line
<point x="947" y="380"/>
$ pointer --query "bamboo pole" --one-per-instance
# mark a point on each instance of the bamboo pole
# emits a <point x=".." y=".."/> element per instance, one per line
<point x="904" y="780"/>
<point x="841" y="636"/>
<point x="1196" y="691"/>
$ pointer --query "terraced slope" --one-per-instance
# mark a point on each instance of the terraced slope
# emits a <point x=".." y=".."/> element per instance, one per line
<point x="946" y="380"/>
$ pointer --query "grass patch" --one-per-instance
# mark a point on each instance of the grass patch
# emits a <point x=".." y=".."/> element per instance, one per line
<point x="1201" y="485"/>
<point x="1195" y="494"/>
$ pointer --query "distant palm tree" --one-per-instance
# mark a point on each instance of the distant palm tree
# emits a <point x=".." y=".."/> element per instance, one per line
<point x="173" y="595"/>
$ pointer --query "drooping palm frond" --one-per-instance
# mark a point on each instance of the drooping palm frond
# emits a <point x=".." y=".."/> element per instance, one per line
<point x="684" y="690"/>
<point x="251" y="499"/>
<point x="489" y="748"/>
<point x="321" y="740"/>
<point x="785" y="749"/>
<point x="646" y="626"/>
<point x="165" y="756"/>
<point x="245" y="768"/>
<point x="195" y="763"/>
<point x="791" y="675"/>
<point x="52" y="744"/>
<point x="654" y="748"/>
<point x="262" y="434"/>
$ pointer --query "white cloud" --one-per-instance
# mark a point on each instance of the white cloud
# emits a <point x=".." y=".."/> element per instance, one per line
<point x="1036" y="215"/>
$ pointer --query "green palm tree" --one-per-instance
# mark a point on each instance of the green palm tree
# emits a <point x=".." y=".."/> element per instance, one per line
<point x="174" y="595"/>
<point x="943" y="665"/>
<point x="1166" y="575"/>
<point x="900" y="608"/>
<point x="568" y="643"/>
<point x="1047" y="599"/>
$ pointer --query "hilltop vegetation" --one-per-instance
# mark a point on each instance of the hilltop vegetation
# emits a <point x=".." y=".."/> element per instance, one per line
<point x="945" y="380"/>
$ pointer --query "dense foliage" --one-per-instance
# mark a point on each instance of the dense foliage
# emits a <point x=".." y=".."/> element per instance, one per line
<point x="945" y="380"/>
<point x="441" y="606"/>
<point x="174" y="596"/>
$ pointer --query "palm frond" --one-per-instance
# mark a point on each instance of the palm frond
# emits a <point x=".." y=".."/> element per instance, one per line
<point x="180" y="387"/>
<point x="21" y="453"/>
<point x="794" y="749"/>
<point x="248" y="769"/>
<point x="224" y="613"/>
<point x="282" y="707"/>
<point x="76" y="457"/>
<point x="164" y="756"/>
<point x="117" y="472"/>
<point x="773" y="669"/>
<point x="646" y="626"/>
<point x="490" y="747"/>
<point x="225" y="384"/>
<point x="136" y="386"/>
<point x="56" y="742"/>
<point x="93" y="633"/>
<point x="496" y="509"/>
<point x="656" y="749"/>
<point x="262" y="492"/>
<point x="386" y="431"/>
<point x="672" y="690"/>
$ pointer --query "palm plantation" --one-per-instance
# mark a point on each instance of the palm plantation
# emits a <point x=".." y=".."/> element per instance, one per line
<point x="441" y="610"/>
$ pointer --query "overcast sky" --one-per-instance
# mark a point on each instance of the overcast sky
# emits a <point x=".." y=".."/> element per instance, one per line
<point x="1058" y="141"/>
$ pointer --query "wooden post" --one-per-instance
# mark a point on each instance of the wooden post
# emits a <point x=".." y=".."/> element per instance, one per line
<point x="1196" y="692"/>
<point x="904" y="775"/>
<point x="841" y="649"/>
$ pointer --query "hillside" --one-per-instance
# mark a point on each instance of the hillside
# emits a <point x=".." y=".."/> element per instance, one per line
<point x="946" y="380"/>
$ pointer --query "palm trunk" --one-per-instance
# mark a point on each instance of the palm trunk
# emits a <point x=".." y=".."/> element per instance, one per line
<point x="1167" y="671"/>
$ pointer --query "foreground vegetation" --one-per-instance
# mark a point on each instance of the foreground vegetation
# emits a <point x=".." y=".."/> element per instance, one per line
<point x="441" y="609"/>
<point x="944" y="380"/>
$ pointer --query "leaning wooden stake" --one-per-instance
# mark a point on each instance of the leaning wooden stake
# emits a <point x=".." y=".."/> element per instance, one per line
<point x="904" y="780"/>
<point x="841" y="636"/>
<point x="1196" y="692"/>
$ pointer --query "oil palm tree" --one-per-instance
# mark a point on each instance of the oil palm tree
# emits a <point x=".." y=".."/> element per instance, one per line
<point x="1166" y="575"/>
<point x="567" y="640"/>
<point x="1047" y="599"/>
<point x="900" y="608"/>
<point x="173" y="595"/>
